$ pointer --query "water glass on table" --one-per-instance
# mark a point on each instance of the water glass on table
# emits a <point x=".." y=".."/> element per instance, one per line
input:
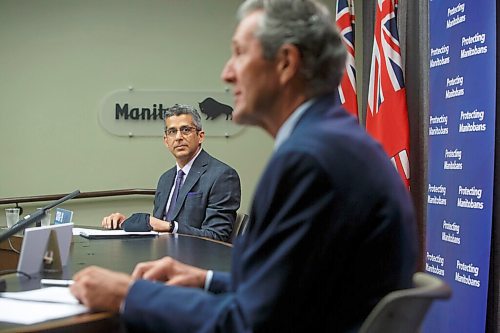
<point x="12" y="216"/>
<point x="45" y="221"/>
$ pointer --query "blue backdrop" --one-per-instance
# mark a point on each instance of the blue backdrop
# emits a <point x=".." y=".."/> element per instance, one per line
<point x="461" y="159"/>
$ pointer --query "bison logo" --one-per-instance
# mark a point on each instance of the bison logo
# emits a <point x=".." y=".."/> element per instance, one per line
<point x="212" y="109"/>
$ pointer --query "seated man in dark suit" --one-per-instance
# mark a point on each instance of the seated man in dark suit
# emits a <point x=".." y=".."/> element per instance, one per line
<point x="199" y="196"/>
<point x="332" y="228"/>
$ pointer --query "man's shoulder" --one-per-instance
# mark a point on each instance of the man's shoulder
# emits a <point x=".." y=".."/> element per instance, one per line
<point x="214" y="163"/>
<point x="328" y="133"/>
<point x="335" y="141"/>
<point x="169" y="173"/>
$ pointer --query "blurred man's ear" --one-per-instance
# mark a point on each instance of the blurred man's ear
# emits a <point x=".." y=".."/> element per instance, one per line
<point x="288" y="62"/>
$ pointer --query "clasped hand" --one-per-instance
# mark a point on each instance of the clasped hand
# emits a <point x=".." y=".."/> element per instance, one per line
<point x="115" y="221"/>
<point x="105" y="290"/>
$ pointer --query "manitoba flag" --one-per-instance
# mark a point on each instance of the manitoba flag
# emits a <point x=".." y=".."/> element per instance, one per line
<point x="347" y="87"/>
<point x="387" y="114"/>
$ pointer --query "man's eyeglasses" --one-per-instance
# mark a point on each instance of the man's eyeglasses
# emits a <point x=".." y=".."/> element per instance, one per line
<point x="185" y="131"/>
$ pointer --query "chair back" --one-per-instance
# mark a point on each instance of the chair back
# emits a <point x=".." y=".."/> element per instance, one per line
<point x="403" y="311"/>
<point x="239" y="227"/>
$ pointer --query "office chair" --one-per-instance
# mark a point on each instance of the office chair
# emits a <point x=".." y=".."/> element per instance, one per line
<point x="402" y="311"/>
<point x="239" y="227"/>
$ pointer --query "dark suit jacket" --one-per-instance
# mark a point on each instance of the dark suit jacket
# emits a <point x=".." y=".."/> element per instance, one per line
<point x="208" y="199"/>
<point x="332" y="230"/>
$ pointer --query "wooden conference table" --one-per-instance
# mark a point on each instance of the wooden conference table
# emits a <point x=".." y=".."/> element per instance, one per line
<point x="120" y="255"/>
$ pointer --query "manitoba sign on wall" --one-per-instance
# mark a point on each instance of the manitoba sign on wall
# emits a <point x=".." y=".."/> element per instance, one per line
<point x="140" y="112"/>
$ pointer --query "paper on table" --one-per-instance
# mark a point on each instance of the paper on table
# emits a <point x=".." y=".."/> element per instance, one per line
<point x="50" y="294"/>
<point x="96" y="233"/>
<point x="33" y="309"/>
<point x="27" y="312"/>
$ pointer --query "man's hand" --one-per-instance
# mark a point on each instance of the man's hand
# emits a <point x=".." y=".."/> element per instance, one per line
<point x="113" y="221"/>
<point x="159" y="225"/>
<point x="101" y="289"/>
<point x="172" y="272"/>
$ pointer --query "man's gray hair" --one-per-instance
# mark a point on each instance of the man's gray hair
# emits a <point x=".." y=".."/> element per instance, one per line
<point x="180" y="109"/>
<point x="308" y="25"/>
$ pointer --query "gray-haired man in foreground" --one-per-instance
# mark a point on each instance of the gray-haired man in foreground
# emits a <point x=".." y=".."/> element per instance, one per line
<point x="331" y="230"/>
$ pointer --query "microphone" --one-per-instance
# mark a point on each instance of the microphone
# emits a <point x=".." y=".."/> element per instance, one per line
<point x="35" y="217"/>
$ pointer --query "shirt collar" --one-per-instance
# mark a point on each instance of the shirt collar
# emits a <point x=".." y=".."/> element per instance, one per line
<point x="189" y="164"/>
<point x="288" y="126"/>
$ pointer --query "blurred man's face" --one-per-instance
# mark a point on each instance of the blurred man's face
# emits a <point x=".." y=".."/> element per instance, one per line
<point x="254" y="79"/>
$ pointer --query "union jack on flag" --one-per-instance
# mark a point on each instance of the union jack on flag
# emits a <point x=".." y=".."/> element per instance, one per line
<point x="387" y="113"/>
<point x="347" y="87"/>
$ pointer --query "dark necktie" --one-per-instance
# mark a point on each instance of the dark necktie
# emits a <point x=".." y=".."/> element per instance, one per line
<point x="173" y="201"/>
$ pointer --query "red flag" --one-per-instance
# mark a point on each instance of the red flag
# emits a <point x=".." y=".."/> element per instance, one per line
<point x="347" y="87"/>
<point x="387" y="113"/>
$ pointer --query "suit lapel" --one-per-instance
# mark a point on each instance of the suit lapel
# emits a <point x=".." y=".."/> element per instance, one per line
<point x="164" y="193"/>
<point x="197" y="169"/>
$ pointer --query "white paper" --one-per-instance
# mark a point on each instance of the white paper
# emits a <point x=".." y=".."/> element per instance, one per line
<point x="50" y="294"/>
<point x="97" y="232"/>
<point x="76" y="231"/>
<point x="26" y="312"/>
<point x="38" y="305"/>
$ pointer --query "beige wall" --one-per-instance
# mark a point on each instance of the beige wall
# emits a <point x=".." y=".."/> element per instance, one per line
<point x="58" y="59"/>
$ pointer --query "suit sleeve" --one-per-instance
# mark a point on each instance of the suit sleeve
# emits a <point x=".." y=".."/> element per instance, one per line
<point x="269" y="269"/>
<point x="220" y="214"/>
<point x="162" y="191"/>
<point x="220" y="282"/>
